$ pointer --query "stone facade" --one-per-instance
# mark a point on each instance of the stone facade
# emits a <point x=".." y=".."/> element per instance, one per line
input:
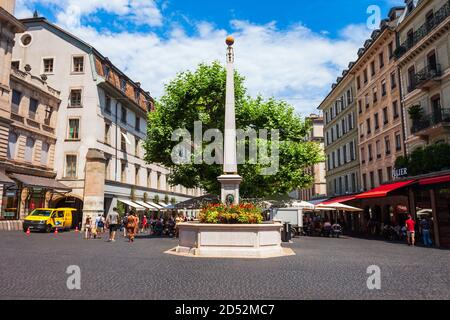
<point x="319" y="187"/>
<point x="424" y="62"/>
<point x="379" y="106"/>
<point x="102" y="110"/>
<point x="341" y="137"/>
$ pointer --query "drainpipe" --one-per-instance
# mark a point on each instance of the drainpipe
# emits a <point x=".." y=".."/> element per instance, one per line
<point x="117" y="139"/>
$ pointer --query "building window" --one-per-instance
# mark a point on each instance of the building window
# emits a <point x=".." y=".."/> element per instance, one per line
<point x="411" y="78"/>
<point x="75" y="98"/>
<point x="398" y="142"/>
<point x="364" y="177"/>
<point x="370" y="153"/>
<point x="369" y="127"/>
<point x="372" y="68"/>
<point x="137" y="95"/>
<point x="376" y="121"/>
<point x="44" y="153"/>
<point x="360" y="106"/>
<point x="15" y="64"/>
<point x="395" y="109"/>
<point x="33" y="108"/>
<point x="123" y="116"/>
<point x="123" y="172"/>
<point x="12" y="143"/>
<point x="367" y="100"/>
<point x="108" y="104"/>
<point x="391" y="50"/>
<point x="380" y="176"/>
<point x="107" y="133"/>
<point x="123" y="142"/>
<point x="48" y="115"/>
<point x="393" y="81"/>
<point x="381" y="58"/>
<point x="345" y="154"/>
<point x="363" y="155"/>
<point x="389" y="173"/>
<point x="106" y="72"/>
<point x="71" y="166"/>
<point x="358" y="82"/>
<point x="29" y="147"/>
<point x="16" y="99"/>
<point x="26" y="40"/>
<point x="365" y="76"/>
<point x="74" y="128"/>
<point x="352" y="151"/>
<point x="372" y="180"/>
<point x="78" y="64"/>
<point x="48" y="65"/>
<point x="387" y="143"/>
<point x="375" y="94"/>
<point x="137" y="125"/>
<point x="123" y="85"/>
<point x="136" y="175"/>
<point x="378" y="149"/>
<point x="385" y="116"/>
<point x="383" y="88"/>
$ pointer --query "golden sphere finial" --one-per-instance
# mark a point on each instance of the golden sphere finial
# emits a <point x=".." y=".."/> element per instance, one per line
<point x="230" y="41"/>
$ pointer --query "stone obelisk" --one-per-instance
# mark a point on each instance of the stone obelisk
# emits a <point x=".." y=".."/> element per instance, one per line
<point x="230" y="180"/>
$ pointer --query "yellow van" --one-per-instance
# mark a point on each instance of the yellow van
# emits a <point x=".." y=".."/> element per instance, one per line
<point x="49" y="219"/>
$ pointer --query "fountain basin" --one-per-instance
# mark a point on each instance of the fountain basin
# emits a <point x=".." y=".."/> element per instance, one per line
<point x="231" y="240"/>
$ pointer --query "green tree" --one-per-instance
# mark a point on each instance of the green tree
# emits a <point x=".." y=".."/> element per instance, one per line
<point x="200" y="96"/>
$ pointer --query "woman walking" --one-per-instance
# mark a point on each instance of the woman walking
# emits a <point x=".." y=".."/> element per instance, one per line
<point x="132" y="225"/>
<point x="88" y="228"/>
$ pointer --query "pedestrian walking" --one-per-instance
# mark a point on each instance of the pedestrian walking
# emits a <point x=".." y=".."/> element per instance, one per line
<point x="124" y="224"/>
<point x="112" y="221"/>
<point x="100" y="224"/>
<point x="132" y="225"/>
<point x="88" y="228"/>
<point x="144" y="223"/>
<point x="411" y="231"/>
<point x="425" y="226"/>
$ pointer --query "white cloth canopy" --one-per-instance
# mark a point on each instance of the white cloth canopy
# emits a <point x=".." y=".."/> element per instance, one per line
<point x="339" y="207"/>
<point x="145" y="205"/>
<point x="131" y="204"/>
<point x="302" y="205"/>
<point x="157" y="206"/>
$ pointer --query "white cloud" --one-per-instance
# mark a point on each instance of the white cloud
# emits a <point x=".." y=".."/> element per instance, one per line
<point x="70" y="12"/>
<point x="295" y="64"/>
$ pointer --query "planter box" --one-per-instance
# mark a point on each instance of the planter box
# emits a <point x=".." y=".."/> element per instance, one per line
<point x="231" y="241"/>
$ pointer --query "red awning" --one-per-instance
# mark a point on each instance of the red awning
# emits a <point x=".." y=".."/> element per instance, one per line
<point x="435" y="180"/>
<point x="382" y="191"/>
<point x="339" y="200"/>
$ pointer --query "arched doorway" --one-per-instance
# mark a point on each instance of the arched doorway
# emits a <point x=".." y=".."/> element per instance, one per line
<point x="72" y="202"/>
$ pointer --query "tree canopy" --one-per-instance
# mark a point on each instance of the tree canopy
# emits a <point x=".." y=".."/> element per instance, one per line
<point x="200" y="96"/>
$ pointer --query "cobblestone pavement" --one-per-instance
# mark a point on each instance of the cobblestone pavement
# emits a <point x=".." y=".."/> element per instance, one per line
<point x="34" y="267"/>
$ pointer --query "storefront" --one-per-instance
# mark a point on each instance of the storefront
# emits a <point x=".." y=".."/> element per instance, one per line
<point x="24" y="193"/>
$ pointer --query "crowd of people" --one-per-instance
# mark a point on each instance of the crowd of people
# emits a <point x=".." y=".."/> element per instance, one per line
<point x="131" y="224"/>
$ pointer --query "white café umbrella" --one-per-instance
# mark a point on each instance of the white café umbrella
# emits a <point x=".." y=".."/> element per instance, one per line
<point x="338" y="207"/>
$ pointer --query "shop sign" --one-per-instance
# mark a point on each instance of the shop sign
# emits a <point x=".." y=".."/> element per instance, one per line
<point x="399" y="173"/>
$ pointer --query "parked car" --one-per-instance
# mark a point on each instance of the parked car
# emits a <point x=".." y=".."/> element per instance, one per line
<point x="47" y="219"/>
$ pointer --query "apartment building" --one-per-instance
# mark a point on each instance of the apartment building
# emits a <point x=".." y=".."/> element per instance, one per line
<point x="319" y="187"/>
<point x="101" y="124"/>
<point x="341" y="137"/>
<point x="379" y="104"/>
<point x="423" y="57"/>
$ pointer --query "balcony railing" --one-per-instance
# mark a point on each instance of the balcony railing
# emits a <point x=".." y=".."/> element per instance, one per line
<point x="430" y="120"/>
<point x="424" y="30"/>
<point x="426" y="74"/>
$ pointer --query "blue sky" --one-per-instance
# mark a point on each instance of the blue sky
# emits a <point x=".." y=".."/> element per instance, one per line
<point x="290" y="49"/>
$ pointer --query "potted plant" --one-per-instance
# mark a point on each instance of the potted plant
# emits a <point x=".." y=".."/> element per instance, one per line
<point x="416" y="113"/>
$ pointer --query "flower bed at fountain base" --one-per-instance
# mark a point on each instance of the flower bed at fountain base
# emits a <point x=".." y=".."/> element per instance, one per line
<point x="231" y="241"/>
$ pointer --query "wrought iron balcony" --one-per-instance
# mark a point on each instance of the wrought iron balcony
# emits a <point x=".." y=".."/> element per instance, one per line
<point x="425" y="77"/>
<point x="431" y="120"/>
<point x="424" y="30"/>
